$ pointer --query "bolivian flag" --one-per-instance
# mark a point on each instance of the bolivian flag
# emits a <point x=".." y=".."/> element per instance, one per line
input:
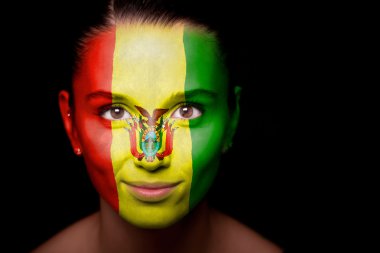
<point x="158" y="160"/>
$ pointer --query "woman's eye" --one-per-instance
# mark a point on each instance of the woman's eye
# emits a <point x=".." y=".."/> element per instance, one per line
<point x="116" y="113"/>
<point x="186" y="112"/>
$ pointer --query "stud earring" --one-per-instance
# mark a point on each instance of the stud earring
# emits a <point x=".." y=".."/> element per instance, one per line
<point x="227" y="147"/>
<point x="68" y="114"/>
<point x="78" y="151"/>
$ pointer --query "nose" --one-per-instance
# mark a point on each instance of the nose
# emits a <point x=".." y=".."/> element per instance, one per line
<point x="152" y="163"/>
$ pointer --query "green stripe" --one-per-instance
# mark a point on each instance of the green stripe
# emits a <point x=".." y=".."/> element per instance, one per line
<point x="205" y="70"/>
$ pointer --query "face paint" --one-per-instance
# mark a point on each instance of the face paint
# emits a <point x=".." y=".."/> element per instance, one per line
<point x="151" y="115"/>
<point x="205" y="71"/>
<point x="92" y="80"/>
<point x="150" y="133"/>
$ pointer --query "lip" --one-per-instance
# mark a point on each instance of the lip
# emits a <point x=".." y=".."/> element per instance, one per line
<point x="151" y="192"/>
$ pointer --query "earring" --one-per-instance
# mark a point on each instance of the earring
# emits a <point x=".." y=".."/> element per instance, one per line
<point x="226" y="147"/>
<point x="78" y="151"/>
<point x="68" y="114"/>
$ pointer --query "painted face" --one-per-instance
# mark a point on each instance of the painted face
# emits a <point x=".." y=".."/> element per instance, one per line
<point x="151" y="116"/>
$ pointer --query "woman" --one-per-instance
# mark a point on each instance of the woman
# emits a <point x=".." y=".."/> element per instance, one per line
<point x="151" y="109"/>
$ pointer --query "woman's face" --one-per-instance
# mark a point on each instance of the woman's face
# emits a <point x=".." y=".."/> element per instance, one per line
<point x="151" y="117"/>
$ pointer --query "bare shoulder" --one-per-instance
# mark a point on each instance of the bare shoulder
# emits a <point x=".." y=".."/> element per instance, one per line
<point x="74" y="238"/>
<point x="233" y="236"/>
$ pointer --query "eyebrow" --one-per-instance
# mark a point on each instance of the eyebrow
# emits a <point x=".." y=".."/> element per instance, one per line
<point x="187" y="94"/>
<point x="103" y="94"/>
<point x="194" y="93"/>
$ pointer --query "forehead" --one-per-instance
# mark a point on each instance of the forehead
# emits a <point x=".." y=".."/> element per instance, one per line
<point x="151" y="61"/>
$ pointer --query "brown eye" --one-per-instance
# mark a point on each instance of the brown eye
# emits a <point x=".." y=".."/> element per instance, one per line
<point x="116" y="113"/>
<point x="187" y="112"/>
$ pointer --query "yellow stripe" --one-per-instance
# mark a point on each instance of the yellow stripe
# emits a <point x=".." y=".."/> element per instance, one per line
<point x="149" y="66"/>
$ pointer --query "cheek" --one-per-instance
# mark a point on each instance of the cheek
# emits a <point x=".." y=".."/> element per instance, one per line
<point x="96" y="141"/>
<point x="208" y="138"/>
<point x="207" y="143"/>
<point x="120" y="150"/>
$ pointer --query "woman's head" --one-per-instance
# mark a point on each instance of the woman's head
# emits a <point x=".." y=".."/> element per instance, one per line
<point x="149" y="111"/>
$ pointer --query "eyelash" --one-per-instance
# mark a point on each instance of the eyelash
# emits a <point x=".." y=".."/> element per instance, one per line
<point x="103" y="110"/>
<point x="194" y="104"/>
<point x="189" y="104"/>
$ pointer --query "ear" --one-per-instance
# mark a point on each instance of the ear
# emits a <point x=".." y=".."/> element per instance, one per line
<point x="234" y="120"/>
<point x="68" y="122"/>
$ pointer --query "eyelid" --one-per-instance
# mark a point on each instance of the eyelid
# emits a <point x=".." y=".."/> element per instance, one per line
<point x="110" y="106"/>
<point x="197" y="106"/>
<point x="194" y="104"/>
<point x="105" y="109"/>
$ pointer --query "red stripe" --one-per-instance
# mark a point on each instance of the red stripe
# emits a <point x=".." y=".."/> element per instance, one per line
<point x="96" y="74"/>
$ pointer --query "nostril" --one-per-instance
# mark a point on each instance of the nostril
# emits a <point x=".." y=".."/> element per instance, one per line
<point x="152" y="163"/>
<point x="139" y="166"/>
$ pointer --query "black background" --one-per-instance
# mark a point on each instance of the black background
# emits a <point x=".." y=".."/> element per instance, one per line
<point x="272" y="185"/>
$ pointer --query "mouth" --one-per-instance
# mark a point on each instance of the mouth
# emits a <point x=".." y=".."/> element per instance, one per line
<point x="151" y="192"/>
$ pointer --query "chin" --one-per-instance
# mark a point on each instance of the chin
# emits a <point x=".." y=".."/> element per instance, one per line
<point x="154" y="220"/>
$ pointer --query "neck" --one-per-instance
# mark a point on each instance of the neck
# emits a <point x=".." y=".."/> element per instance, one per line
<point x="190" y="234"/>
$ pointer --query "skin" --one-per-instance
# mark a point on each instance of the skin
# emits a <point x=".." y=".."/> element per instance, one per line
<point x="151" y="67"/>
<point x="204" y="230"/>
<point x="187" y="224"/>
